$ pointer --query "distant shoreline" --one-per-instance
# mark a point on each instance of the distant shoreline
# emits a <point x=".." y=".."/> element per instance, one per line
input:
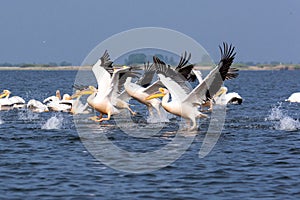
<point x="76" y="68"/>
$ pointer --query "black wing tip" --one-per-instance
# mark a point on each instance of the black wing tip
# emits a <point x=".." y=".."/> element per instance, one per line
<point x="227" y="52"/>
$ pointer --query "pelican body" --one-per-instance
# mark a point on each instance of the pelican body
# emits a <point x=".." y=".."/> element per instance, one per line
<point x="295" y="98"/>
<point x="37" y="106"/>
<point x="185" y="102"/>
<point x="7" y="103"/>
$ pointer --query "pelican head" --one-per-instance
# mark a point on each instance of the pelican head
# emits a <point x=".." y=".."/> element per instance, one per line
<point x="5" y="93"/>
<point x="222" y="90"/>
<point x="90" y="90"/>
<point x="57" y="94"/>
<point x="162" y="92"/>
<point x="67" y="97"/>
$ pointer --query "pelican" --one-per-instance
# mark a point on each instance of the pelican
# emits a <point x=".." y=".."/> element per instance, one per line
<point x="184" y="102"/>
<point x="104" y="73"/>
<point x="57" y="97"/>
<point x="224" y="98"/>
<point x="143" y="88"/>
<point x="37" y="106"/>
<point x="78" y="107"/>
<point x="56" y="103"/>
<point x="105" y="99"/>
<point x="7" y="102"/>
<point x="295" y="98"/>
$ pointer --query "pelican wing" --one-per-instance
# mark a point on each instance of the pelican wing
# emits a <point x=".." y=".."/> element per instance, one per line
<point x="174" y="81"/>
<point x="154" y="87"/>
<point x="114" y="92"/>
<point x="198" y="75"/>
<point x="184" y="69"/>
<point x="214" y="80"/>
<point x="106" y="62"/>
<point x="102" y="75"/>
<point x="146" y="79"/>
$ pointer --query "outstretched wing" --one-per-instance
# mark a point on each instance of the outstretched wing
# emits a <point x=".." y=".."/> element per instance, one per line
<point x="103" y="77"/>
<point x="185" y="69"/>
<point x="173" y="80"/>
<point x="114" y="86"/>
<point x="106" y="62"/>
<point x="214" y="80"/>
<point x="146" y="79"/>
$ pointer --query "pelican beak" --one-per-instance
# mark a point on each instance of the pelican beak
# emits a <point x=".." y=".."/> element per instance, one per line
<point x="88" y="91"/>
<point x="158" y="94"/>
<point x="220" y="92"/>
<point x="3" y="94"/>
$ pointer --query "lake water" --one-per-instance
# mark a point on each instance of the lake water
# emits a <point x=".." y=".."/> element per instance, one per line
<point x="256" y="156"/>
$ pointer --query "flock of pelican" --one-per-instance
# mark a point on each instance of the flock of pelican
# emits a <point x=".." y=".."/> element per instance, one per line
<point x="162" y="89"/>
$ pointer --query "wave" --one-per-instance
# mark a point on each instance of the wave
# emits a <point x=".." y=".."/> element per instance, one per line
<point x="1" y="121"/>
<point x="281" y="120"/>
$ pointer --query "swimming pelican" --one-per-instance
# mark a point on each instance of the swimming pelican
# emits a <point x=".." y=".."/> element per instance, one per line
<point x="295" y="98"/>
<point x="57" y="97"/>
<point x="7" y="103"/>
<point x="37" y="106"/>
<point x="105" y="99"/>
<point x="224" y="98"/>
<point x="58" y="104"/>
<point x="184" y="102"/>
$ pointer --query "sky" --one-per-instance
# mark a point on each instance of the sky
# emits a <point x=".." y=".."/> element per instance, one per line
<point x="43" y="31"/>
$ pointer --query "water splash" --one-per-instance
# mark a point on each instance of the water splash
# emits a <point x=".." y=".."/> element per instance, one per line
<point x="55" y="122"/>
<point x="155" y="118"/>
<point x="27" y="115"/>
<point x="288" y="124"/>
<point x="282" y="121"/>
<point x="1" y="121"/>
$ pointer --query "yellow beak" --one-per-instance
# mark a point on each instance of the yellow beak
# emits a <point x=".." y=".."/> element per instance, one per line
<point x="83" y="92"/>
<point x="2" y="95"/>
<point x="155" y="95"/>
<point x="220" y="92"/>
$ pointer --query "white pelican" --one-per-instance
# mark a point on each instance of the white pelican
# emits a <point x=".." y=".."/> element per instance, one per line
<point x="57" y="97"/>
<point x="56" y="103"/>
<point x="105" y="99"/>
<point x="295" y="98"/>
<point x="109" y="77"/>
<point x="7" y="103"/>
<point x="185" y="103"/>
<point x="143" y="88"/>
<point x="37" y="106"/>
<point x="78" y="107"/>
<point x="224" y="98"/>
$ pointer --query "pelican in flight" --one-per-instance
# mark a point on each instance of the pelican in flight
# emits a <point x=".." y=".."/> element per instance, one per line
<point x="184" y="102"/>
<point x="143" y="87"/>
<point x="105" y="99"/>
<point x="7" y="103"/>
<point x="295" y="98"/>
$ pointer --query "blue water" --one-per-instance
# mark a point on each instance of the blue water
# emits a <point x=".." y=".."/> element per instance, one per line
<point x="257" y="155"/>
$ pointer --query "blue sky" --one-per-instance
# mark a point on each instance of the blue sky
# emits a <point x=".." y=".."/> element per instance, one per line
<point x="43" y="31"/>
